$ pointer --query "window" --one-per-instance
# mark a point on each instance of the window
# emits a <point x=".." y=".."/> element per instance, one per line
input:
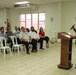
<point x="36" y="19"/>
<point x="28" y="21"/>
<point x="22" y="20"/>
<point x="42" y="20"/>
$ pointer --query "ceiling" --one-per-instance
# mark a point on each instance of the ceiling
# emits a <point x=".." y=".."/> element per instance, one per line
<point x="10" y="3"/>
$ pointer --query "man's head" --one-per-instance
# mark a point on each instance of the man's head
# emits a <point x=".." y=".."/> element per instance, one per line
<point x="23" y="29"/>
<point x="16" y="28"/>
<point x="32" y="28"/>
<point x="2" y="29"/>
<point x="8" y="29"/>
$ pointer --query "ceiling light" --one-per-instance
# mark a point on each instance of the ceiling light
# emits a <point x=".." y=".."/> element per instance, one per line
<point x="23" y="2"/>
<point x="28" y="5"/>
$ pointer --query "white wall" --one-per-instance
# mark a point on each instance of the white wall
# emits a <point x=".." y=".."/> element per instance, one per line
<point x="63" y="13"/>
<point x="2" y="17"/>
<point x="51" y="10"/>
<point x="68" y="16"/>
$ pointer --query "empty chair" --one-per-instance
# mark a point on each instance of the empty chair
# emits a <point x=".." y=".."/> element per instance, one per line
<point x="15" y="46"/>
<point x="3" y="46"/>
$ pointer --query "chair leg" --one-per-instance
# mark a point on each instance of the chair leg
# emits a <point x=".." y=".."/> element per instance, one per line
<point x="10" y="51"/>
<point x="4" y="54"/>
<point x="21" y="48"/>
<point x="75" y="66"/>
<point x="18" y="50"/>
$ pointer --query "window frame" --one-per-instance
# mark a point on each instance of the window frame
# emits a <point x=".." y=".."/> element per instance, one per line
<point x="38" y="21"/>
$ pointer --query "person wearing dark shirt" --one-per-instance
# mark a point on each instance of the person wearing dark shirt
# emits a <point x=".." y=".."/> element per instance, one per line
<point x="9" y="33"/>
<point x="2" y="33"/>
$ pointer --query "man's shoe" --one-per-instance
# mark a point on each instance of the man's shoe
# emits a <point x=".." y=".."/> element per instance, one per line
<point x="32" y="51"/>
<point x="47" y="46"/>
<point x="27" y="53"/>
<point x="42" y="48"/>
<point x="36" y="50"/>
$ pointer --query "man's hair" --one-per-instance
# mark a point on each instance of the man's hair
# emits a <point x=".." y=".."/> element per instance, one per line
<point x="1" y="28"/>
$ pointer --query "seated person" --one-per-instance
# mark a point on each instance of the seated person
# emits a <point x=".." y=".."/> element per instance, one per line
<point x="16" y="31"/>
<point x="19" y="29"/>
<point x="27" y="29"/>
<point x="34" y="39"/>
<point x="9" y="33"/>
<point x="43" y="37"/>
<point x="3" y="34"/>
<point x="24" y="37"/>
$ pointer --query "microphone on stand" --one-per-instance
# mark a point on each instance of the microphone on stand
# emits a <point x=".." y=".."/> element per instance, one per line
<point x="73" y="28"/>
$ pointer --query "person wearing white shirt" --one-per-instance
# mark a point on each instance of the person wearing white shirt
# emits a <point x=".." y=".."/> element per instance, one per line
<point x="24" y="37"/>
<point x="34" y="39"/>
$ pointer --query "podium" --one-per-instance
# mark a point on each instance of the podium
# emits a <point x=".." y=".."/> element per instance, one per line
<point x="66" y="50"/>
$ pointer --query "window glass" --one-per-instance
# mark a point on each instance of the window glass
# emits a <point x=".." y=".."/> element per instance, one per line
<point x="41" y="16"/>
<point x="35" y="20"/>
<point x="28" y="20"/>
<point x="22" y="17"/>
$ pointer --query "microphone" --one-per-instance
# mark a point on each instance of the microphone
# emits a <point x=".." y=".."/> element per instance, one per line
<point x="72" y="27"/>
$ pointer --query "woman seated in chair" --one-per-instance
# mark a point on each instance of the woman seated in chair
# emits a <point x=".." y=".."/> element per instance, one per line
<point x="42" y="36"/>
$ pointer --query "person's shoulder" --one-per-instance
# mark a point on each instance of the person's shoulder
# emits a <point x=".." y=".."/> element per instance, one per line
<point x="5" y="33"/>
<point x="21" y="32"/>
<point x="30" y="32"/>
<point x="35" y="31"/>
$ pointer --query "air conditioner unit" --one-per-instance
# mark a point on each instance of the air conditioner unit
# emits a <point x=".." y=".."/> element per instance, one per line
<point x="28" y="5"/>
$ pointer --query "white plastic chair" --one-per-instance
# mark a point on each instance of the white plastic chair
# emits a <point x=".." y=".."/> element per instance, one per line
<point x="44" y="44"/>
<point x="4" y="47"/>
<point x="15" y="44"/>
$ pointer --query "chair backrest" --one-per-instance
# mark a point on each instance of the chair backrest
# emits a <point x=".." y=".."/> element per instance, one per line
<point x="2" y="41"/>
<point x="14" y="40"/>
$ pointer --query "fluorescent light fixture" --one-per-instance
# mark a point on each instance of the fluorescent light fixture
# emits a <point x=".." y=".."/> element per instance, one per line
<point x="23" y="2"/>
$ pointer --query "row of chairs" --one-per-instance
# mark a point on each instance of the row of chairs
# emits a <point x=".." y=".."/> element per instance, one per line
<point x="15" y="46"/>
<point x="4" y="47"/>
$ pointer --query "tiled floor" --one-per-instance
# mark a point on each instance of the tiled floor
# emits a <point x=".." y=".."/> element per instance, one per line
<point x="44" y="62"/>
